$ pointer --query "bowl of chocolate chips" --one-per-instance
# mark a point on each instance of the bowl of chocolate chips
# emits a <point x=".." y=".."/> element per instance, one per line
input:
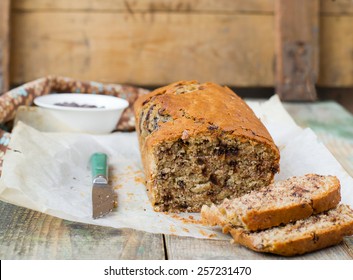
<point x="86" y="113"/>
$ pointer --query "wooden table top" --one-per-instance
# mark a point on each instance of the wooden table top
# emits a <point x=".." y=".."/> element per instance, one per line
<point x="27" y="234"/>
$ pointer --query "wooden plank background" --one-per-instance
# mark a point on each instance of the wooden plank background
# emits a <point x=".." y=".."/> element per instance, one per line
<point x="4" y="45"/>
<point x="27" y="234"/>
<point x="158" y="41"/>
<point x="296" y="49"/>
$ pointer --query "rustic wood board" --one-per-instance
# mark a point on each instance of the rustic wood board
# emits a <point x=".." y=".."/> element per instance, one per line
<point x="184" y="248"/>
<point x="27" y="234"/>
<point x="297" y="49"/>
<point x="342" y="7"/>
<point x="336" y="51"/>
<point x="4" y="45"/>
<point x="172" y="47"/>
<point x="254" y="6"/>
<point x="152" y="5"/>
<point x="159" y="41"/>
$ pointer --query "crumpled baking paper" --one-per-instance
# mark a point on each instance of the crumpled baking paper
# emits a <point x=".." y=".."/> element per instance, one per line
<point x="49" y="172"/>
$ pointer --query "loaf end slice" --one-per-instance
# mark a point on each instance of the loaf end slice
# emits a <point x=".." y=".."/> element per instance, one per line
<point x="279" y="203"/>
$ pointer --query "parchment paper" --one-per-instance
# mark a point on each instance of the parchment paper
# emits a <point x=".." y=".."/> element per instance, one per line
<point x="49" y="172"/>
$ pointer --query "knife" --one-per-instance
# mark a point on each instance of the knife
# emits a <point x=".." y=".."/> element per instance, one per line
<point x="103" y="197"/>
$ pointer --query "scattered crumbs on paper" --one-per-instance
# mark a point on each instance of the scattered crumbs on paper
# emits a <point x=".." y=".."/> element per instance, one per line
<point x="140" y="179"/>
<point x="82" y="194"/>
<point x="128" y="171"/>
<point x="185" y="229"/>
<point x="130" y="195"/>
<point x="172" y="229"/>
<point x="117" y="186"/>
<point x="212" y="235"/>
<point x="189" y="220"/>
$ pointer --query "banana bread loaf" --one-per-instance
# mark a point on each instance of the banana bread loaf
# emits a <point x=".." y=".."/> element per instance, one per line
<point x="303" y="236"/>
<point x="279" y="203"/>
<point x="200" y="144"/>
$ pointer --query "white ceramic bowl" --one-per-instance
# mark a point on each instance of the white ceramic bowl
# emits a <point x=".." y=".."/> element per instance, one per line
<point x="99" y="120"/>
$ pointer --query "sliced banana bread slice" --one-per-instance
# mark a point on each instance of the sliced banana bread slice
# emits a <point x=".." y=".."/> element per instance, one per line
<point x="279" y="203"/>
<point x="303" y="236"/>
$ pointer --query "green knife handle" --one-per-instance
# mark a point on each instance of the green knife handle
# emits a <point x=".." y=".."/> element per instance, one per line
<point x="99" y="165"/>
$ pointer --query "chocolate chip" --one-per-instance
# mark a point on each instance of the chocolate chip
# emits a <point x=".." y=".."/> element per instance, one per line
<point x="73" y="104"/>
<point x="155" y="124"/>
<point x="148" y="117"/>
<point x="212" y="127"/>
<point x="200" y="161"/>
<point x="183" y="205"/>
<point x="181" y="184"/>
<point x="213" y="179"/>
<point x="146" y="101"/>
<point x="167" y="197"/>
<point x="232" y="151"/>
<point x="274" y="169"/>
<point x="315" y="237"/>
<point x="204" y="172"/>
<point x="220" y="150"/>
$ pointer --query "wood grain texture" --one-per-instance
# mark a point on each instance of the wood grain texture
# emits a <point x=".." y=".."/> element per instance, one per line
<point x="224" y="6"/>
<point x="184" y="248"/>
<point x="26" y="234"/>
<point x="297" y="48"/>
<point x="337" y="7"/>
<point x="349" y="245"/>
<point x="143" y="48"/>
<point x="160" y="41"/>
<point x="336" y="48"/>
<point x="4" y="45"/>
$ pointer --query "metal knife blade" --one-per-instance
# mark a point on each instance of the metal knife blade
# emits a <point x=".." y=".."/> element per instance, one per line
<point x="103" y="196"/>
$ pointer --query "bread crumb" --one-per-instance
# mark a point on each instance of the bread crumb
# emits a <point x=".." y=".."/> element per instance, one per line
<point x="172" y="229"/>
<point x="185" y="229"/>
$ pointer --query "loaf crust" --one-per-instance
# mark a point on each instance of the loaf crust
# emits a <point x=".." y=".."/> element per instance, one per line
<point x="178" y="119"/>
<point x="303" y="236"/>
<point x="279" y="203"/>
